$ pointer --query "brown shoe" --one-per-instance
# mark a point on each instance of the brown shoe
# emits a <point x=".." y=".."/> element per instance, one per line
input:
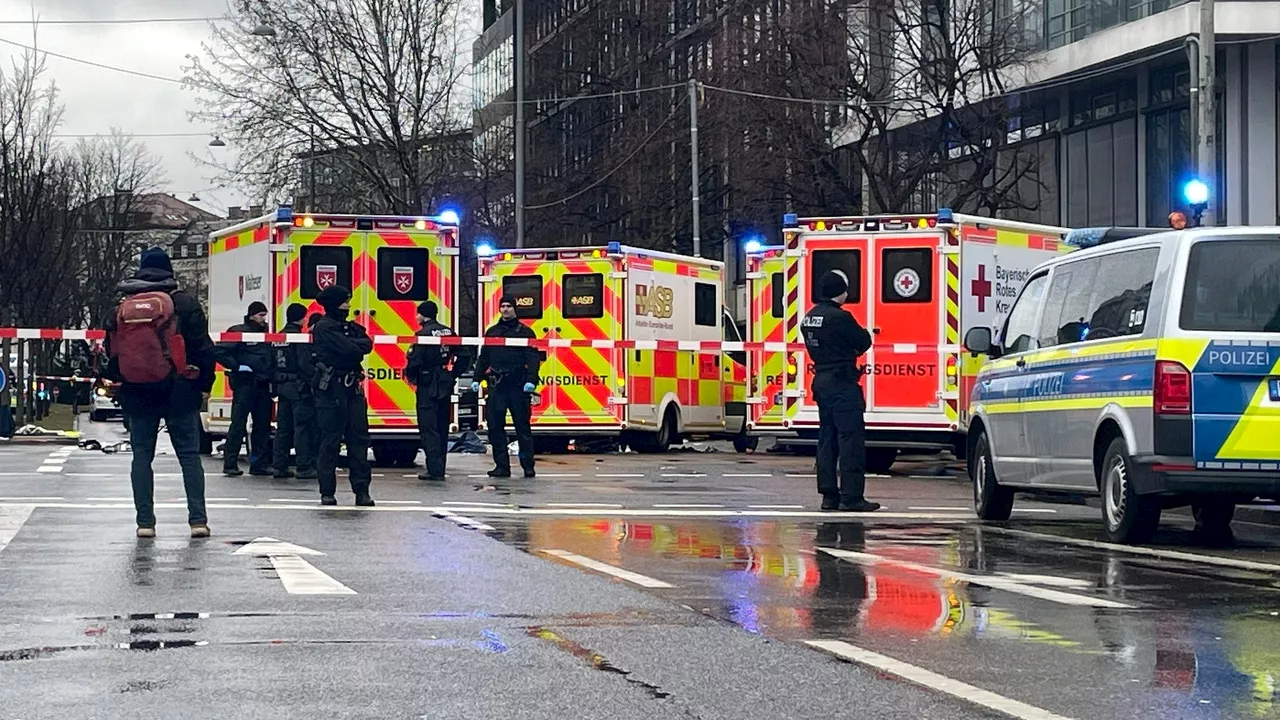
<point x="199" y="531"/>
<point x="146" y="532"/>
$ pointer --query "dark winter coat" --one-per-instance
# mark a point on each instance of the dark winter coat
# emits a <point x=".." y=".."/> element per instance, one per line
<point x="513" y="363"/>
<point x="257" y="356"/>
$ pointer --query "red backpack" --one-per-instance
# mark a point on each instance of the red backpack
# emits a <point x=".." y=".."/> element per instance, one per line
<point x="147" y="344"/>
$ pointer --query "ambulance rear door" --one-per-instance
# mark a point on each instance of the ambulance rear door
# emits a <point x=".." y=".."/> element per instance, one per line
<point x="849" y="254"/>
<point x="403" y="266"/>
<point x="530" y="279"/>
<point x="584" y="385"/>
<point x="766" y="310"/>
<point x="908" y="311"/>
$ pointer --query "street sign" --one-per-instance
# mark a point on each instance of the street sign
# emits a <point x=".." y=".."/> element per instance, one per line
<point x="4" y="380"/>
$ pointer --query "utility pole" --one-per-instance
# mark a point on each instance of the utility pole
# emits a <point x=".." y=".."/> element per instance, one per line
<point x="1206" y="142"/>
<point x="517" y="46"/>
<point x="693" y="166"/>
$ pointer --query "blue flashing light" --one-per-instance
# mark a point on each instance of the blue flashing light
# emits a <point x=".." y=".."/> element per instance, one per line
<point x="790" y="220"/>
<point x="614" y="248"/>
<point x="1086" y="237"/>
<point x="1196" y="192"/>
<point x="449" y="216"/>
<point x="484" y="250"/>
<point x="945" y="216"/>
<point x="284" y="214"/>
<point x="752" y="246"/>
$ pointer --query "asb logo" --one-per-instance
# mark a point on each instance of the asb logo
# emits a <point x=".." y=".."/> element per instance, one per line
<point x="402" y="277"/>
<point x="326" y="276"/>
<point x="655" y="300"/>
<point x="249" y="283"/>
<point x="524" y="301"/>
<point x="581" y="300"/>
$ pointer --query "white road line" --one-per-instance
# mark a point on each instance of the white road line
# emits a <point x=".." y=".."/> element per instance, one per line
<point x="996" y="583"/>
<point x="746" y="475"/>
<point x="1046" y="511"/>
<point x="209" y="500"/>
<point x="874" y="475"/>
<point x="477" y="504"/>
<point x="684" y="474"/>
<point x="586" y="562"/>
<point x="464" y="521"/>
<point x="11" y="521"/>
<point x="97" y="475"/>
<point x="400" y="502"/>
<point x="776" y="507"/>
<point x="934" y="681"/>
<point x="55" y="461"/>
<point x="1145" y="551"/>
<point x="583" y="505"/>
<point x="30" y="499"/>
<point x="49" y="469"/>
<point x="302" y="578"/>
<point x="619" y="475"/>
<point x="285" y="500"/>
<point x="801" y="475"/>
<point x="110" y="499"/>
<point x="685" y="505"/>
<point x="937" y="509"/>
<point x="558" y="475"/>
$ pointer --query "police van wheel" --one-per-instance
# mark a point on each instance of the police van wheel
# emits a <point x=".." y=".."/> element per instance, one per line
<point x="1213" y="518"/>
<point x="991" y="502"/>
<point x="1129" y="517"/>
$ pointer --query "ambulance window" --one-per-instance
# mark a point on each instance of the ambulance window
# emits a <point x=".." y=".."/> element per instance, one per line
<point x="775" y="289"/>
<point x="705" y="307"/>
<point x="847" y="261"/>
<point x="323" y="266"/>
<point x="906" y="275"/>
<point x="527" y="291"/>
<point x="402" y="274"/>
<point x="583" y="296"/>
<point x="731" y="334"/>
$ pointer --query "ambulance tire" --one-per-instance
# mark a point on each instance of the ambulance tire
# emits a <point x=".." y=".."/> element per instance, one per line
<point x="393" y="454"/>
<point x="991" y="502"/>
<point x="657" y="442"/>
<point x="552" y="445"/>
<point x="880" y="459"/>
<point x="1127" y="516"/>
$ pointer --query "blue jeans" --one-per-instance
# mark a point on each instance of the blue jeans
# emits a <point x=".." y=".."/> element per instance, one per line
<point x="184" y="432"/>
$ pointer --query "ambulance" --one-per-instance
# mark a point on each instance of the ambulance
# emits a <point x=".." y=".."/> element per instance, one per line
<point x="650" y="396"/>
<point x="918" y="283"/>
<point x="390" y="263"/>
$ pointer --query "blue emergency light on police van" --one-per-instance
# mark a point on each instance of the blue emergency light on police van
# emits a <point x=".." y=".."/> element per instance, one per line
<point x="1196" y="192"/>
<point x="1093" y="237"/>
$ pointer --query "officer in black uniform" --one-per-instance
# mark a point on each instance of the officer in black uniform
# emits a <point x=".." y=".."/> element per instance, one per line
<point x="834" y="340"/>
<point x="341" y="409"/>
<point x="512" y="373"/>
<point x="296" y="409"/>
<point x="434" y="371"/>
<point x="250" y="367"/>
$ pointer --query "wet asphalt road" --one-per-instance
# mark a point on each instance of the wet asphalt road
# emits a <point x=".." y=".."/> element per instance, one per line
<point x="692" y="585"/>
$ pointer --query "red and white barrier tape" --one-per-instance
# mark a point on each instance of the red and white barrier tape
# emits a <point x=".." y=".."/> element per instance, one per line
<point x="715" y="346"/>
<point x="65" y="378"/>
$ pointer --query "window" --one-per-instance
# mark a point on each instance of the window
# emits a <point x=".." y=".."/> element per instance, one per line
<point x="705" y="307"/>
<point x="527" y="291"/>
<point x="776" y="291"/>
<point x="583" y="296"/>
<point x="1020" y="328"/>
<point x="1067" y="305"/>
<point x="906" y="275"/>
<point x="1121" y="292"/>
<point x="1102" y="175"/>
<point x="1233" y="286"/>
<point x="847" y="261"/>
<point x="324" y="266"/>
<point x="731" y="334"/>
<point x="402" y="274"/>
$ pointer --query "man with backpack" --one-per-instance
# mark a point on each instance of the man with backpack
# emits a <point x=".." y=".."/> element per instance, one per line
<point x="250" y="369"/>
<point x="296" y="411"/>
<point x="159" y="350"/>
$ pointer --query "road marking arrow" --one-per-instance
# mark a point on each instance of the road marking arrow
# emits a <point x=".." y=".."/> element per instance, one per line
<point x="299" y="576"/>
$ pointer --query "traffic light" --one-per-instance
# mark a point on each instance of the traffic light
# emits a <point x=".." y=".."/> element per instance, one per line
<point x="1196" y="193"/>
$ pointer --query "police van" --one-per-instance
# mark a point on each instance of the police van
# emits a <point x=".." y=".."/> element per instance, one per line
<point x="1144" y="367"/>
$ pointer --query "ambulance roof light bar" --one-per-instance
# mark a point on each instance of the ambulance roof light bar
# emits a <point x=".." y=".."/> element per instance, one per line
<point x="1093" y="237"/>
<point x="284" y="215"/>
<point x="484" y="250"/>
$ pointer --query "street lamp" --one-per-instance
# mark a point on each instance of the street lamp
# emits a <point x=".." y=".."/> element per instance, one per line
<point x="264" y="30"/>
<point x="217" y="142"/>
<point x="194" y="198"/>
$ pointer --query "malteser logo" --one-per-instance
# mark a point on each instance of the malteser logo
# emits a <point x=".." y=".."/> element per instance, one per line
<point x="655" y="300"/>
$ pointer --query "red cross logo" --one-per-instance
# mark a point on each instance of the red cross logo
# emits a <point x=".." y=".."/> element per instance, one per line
<point x="981" y="288"/>
<point x="906" y="282"/>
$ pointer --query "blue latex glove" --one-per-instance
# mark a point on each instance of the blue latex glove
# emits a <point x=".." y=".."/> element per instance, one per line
<point x="245" y="368"/>
<point x="529" y="387"/>
<point x="475" y="387"/>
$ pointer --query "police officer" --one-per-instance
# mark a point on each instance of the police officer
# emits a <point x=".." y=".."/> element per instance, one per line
<point x="296" y="410"/>
<point x="250" y="368"/>
<point x="834" y="340"/>
<point x="512" y="373"/>
<point x="341" y="410"/>
<point x="433" y="370"/>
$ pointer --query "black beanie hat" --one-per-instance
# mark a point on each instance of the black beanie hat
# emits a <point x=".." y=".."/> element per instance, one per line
<point x="833" y="283"/>
<point x="295" y="313"/>
<point x="333" y="296"/>
<point x="256" y="307"/>
<point x="506" y="300"/>
<point x="155" y="258"/>
<point x="428" y="309"/>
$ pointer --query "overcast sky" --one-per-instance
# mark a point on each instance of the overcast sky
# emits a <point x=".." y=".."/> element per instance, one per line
<point x="98" y="99"/>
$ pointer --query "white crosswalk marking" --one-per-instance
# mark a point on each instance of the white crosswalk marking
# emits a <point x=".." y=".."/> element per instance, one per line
<point x="12" y="519"/>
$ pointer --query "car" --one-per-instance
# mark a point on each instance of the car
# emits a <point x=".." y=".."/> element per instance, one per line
<point x="1143" y="368"/>
<point x="104" y="404"/>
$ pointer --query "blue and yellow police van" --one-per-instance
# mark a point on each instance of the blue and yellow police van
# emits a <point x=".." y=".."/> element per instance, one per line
<point x="1143" y="367"/>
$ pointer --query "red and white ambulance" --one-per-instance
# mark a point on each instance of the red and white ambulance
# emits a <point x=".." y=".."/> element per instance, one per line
<point x="918" y="283"/>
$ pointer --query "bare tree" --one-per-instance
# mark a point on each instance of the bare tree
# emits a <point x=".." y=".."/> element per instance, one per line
<point x="367" y="84"/>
